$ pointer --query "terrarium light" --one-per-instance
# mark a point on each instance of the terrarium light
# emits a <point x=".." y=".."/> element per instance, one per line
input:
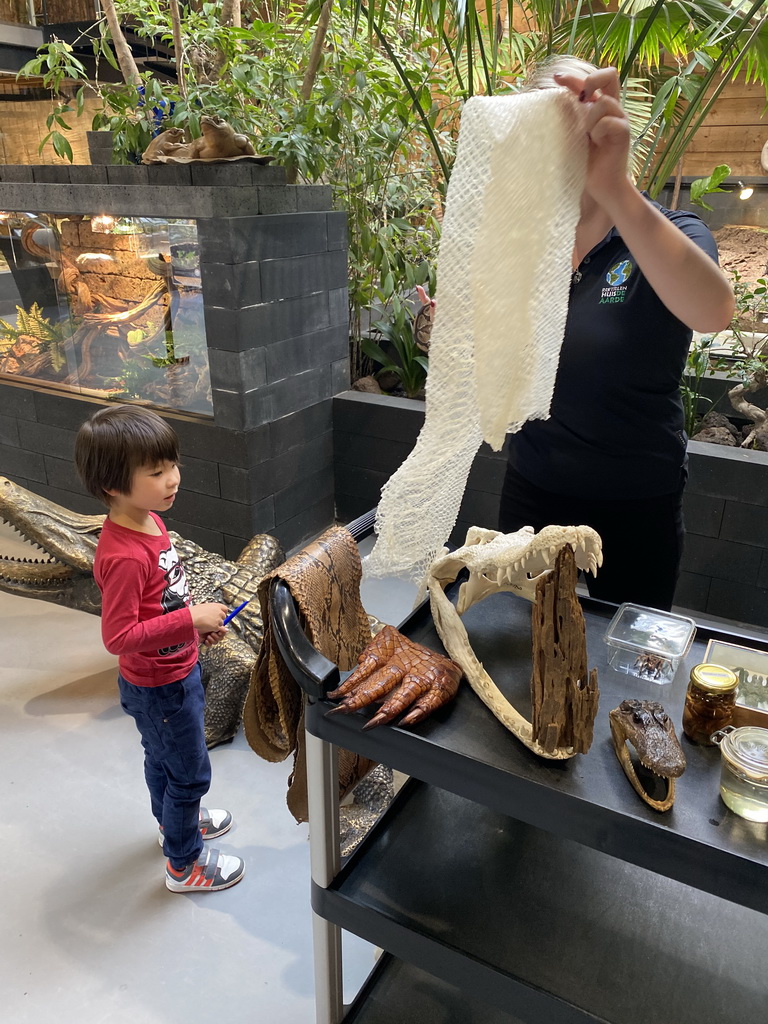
<point x="102" y="223"/>
<point x="746" y="190"/>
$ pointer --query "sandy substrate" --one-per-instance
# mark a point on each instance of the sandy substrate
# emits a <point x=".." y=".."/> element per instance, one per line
<point x="745" y="250"/>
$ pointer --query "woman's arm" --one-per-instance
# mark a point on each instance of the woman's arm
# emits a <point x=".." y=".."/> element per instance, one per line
<point x="686" y="279"/>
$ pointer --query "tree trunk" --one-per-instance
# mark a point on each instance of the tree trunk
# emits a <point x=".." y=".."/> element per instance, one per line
<point x="178" y="46"/>
<point x="678" y="182"/>
<point x="230" y="18"/>
<point x="123" y="53"/>
<point x="310" y="74"/>
<point x="230" y="14"/>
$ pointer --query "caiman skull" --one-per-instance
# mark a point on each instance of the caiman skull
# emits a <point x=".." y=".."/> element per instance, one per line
<point x="68" y="542"/>
<point x="646" y="725"/>
<point x="500" y="562"/>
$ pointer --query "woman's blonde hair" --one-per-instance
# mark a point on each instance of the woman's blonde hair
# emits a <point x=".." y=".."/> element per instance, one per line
<point x="541" y="75"/>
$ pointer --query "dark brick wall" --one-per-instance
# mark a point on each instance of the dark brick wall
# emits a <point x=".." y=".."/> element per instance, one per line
<point x="725" y="567"/>
<point x="273" y="268"/>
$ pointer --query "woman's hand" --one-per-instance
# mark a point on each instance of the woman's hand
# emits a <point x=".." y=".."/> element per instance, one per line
<point x="684" y="277"/>
<point x="607" y="128"/>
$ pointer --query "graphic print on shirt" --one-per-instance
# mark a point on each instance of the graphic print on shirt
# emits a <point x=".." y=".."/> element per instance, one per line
<point x="616" y="281"/>
<point x="176" y="592"/>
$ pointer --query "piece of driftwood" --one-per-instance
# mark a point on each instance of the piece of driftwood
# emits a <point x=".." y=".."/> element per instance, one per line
<point x="564" y="693"/>
<point x="497" y="562"/>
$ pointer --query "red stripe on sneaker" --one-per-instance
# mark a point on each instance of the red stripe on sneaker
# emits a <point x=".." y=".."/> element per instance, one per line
<point x="197" y="878"/>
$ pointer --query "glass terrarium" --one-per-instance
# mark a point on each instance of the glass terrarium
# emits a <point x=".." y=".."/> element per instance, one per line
<point x="110" y="307"/>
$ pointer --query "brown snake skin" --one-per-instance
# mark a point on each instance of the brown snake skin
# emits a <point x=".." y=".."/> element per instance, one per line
<point x="324" y="579"/>
<point x="414" y="675"/>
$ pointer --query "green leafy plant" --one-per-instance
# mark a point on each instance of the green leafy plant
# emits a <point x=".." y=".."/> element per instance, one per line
<point x="747" y="360"/>
<point x="696" y="366"/>
<point x="31" y="323"/>
<point x="687" y="53"/>
<point x="355" y="129"/>
<point x="402" y="357"/>
<point x="56" y="63"/>
<point x="747" y="332"/>
<point x="704" y="186"/>
<point x="136" y="373"/>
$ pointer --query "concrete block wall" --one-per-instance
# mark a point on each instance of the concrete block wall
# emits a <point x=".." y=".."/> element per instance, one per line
<point x="725" y="566"/>
<point x="374" y="434"/>
<point x="273" y="270"/>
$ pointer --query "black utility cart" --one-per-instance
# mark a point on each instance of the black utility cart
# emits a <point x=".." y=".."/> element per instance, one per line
<point x="505" y="888"/>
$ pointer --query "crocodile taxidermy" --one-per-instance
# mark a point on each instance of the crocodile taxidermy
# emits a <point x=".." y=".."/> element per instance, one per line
<point x="646" y="725"/>
<point x="520" y="563"/>
<point x="65" y="577"/>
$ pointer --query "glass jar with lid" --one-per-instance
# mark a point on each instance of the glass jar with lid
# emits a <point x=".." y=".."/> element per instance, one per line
<point x="744" y="772"/>
<point x="709" y="702"/>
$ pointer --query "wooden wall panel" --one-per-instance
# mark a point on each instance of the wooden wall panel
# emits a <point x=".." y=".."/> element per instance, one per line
<point x="14" y="11"/>
<point x="733" y="133"/>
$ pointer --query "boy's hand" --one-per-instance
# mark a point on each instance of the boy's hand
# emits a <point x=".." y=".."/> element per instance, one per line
<point x="209" y="639"/>
<point x="208" y="618"/>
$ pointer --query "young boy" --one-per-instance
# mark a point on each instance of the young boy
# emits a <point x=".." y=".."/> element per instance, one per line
<point x="128" y="458"/>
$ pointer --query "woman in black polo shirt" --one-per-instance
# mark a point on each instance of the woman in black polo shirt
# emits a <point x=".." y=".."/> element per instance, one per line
<point x="612" y="454"/>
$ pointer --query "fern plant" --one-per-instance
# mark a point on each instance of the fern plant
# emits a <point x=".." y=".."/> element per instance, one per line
<point x="31" y="323"/>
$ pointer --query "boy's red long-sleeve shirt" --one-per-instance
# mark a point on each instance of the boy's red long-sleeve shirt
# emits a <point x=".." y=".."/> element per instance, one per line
<point x="145" y="616"/>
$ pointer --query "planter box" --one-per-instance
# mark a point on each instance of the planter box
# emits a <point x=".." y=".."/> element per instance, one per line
<point x="725" y="566"/>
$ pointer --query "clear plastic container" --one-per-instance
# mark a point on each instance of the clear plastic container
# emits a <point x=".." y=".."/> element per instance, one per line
<point x="648" y="643"/>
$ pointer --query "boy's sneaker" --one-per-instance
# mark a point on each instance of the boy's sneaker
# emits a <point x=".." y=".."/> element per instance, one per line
<point x="213" y="823"/>
<point x="211" y="871"/>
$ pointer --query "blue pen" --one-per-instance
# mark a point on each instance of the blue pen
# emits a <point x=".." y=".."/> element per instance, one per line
<point x="234" y="613"/>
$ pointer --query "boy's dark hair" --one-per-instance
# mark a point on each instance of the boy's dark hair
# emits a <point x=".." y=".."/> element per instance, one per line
<point x="116" y="441"/>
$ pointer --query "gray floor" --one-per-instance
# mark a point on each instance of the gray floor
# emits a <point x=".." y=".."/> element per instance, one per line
<point x="88" y="931"/>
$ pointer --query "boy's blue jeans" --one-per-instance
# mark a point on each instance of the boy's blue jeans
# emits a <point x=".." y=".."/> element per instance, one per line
<point x="176" y="763"/>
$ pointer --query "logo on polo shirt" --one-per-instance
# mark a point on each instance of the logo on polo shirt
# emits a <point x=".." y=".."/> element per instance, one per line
<point x="616" y="280"/>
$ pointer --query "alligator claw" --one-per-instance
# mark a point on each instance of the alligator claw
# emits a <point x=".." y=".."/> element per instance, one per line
<point x="392" y="664"/>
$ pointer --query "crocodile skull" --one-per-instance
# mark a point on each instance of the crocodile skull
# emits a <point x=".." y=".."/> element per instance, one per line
<point x="646" y="725"/>
<point x="499" y="562"/>
<point x="513" y="561"/>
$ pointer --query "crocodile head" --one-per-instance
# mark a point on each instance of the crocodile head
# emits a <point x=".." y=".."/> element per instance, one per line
<point x="64" y="573"/>
<point x="646" y="725"/>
